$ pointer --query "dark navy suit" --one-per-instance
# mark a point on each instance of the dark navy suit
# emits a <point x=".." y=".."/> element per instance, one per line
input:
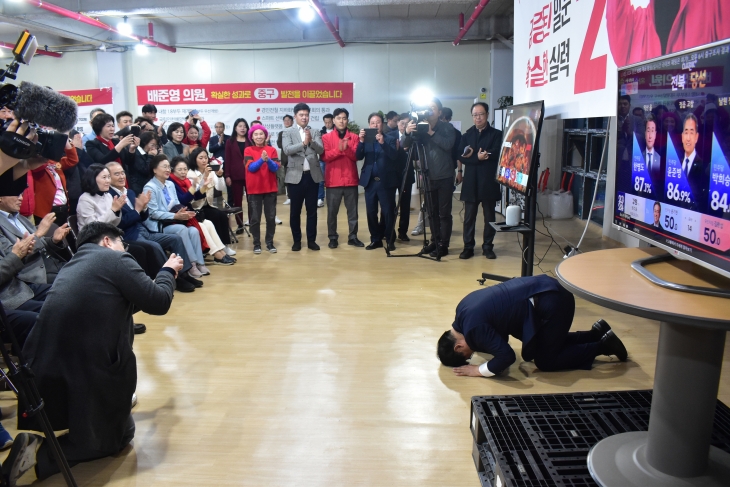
<point x="488" y="317"/>
<point x="218" y="150"/>
<point x="134" y="231"/>
<point x="379" y="177"/>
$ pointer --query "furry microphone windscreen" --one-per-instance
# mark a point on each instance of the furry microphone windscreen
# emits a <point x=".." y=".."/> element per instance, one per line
<point x="45" y="107"/>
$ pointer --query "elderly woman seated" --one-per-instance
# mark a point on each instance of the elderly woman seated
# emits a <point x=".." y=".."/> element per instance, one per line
<point x="167" y="215"/>
<point x="97" y="204"/>
<point x="189" y="190"/>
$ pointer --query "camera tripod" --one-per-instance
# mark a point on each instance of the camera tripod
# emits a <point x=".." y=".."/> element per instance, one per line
<point x="424" y="193"/>
<point x="27" y="392"/>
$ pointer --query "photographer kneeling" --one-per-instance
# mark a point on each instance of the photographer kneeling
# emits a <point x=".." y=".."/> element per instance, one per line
<point x="80" y="351"/>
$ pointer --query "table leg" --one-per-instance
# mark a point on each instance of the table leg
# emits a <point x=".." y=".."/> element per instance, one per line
<point x="676" y="449"/>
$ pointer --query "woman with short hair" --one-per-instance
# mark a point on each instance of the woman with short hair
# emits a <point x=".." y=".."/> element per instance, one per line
<point x="164" y="207"/>
<point x="105" y="147"/>
<point x="175" y="145"/>
<point x="261" y="166"/>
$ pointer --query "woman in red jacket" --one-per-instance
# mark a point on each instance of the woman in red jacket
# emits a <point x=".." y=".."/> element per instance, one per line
<point x="49" y="184"/>
<point x="233" y="167"/>
<point x="261" y="165"/>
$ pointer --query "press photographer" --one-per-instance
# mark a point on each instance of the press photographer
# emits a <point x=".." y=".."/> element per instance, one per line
<point x="438" y="139"/>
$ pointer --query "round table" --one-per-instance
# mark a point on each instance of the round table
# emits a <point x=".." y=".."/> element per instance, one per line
<point x="676" y="450"/>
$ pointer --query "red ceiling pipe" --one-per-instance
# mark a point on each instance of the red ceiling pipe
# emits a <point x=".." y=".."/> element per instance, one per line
<point x="41" y="52"/>
<point x="461" y="22"/>
<point x="337" y="23"/>
<point x="472" y="19"/>
<point x="88" y="20"/>
<point x="335" y="31"/>
<point x="150" y="30"/>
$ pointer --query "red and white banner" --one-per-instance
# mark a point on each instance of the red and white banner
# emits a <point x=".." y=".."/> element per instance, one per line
<point x="87" y="100"/>
<point x="265" y="102"/>
<point x="567" y="52"/>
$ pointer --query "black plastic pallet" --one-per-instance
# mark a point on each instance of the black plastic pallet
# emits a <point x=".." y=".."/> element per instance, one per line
<point x="544" y="440"/>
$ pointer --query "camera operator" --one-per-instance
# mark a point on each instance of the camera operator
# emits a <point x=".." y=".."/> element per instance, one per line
<point x="410" y="176"/>
<point x="13" y="183"/>
<point x="195" y="139"/>
<point x="438" y="143"/>
<point x="149" y="111"/>
<point x="479" y="151"/>
<point x="105" y="148"/>
<point x="87" y="382"/>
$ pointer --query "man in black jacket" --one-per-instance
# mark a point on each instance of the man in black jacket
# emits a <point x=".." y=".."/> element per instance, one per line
<point x="438" y="144"/>
<point x="479" y="151"/>
<point x="87" y="381"/>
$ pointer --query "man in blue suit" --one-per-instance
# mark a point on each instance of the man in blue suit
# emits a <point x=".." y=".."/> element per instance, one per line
<point x="217" y="144"/>
<point x="536" y="310"/>
<point x="379" y="177"/>
<point x="134" y="212"/>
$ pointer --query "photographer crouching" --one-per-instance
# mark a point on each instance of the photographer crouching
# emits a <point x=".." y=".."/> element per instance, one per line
<point x="80" y="351"/>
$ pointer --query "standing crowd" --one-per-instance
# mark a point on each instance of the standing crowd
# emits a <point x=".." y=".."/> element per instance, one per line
<point x="134" y="211"/>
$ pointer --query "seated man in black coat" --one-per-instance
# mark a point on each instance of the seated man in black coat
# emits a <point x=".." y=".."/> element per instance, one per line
<point x="80" y="351"/>
<point x="537" y="311"/>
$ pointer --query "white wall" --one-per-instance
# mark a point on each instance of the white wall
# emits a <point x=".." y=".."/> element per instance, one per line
<point x="384" y="75"/>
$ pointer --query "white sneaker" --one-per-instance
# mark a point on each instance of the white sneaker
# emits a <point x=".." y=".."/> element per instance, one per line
<point x="418" y="230"/>
<point x="278" y="222"/>
<point x="194" y="272"/>
<point x="287" y="202"/>
<point x="134" y="399"/>
<point x="320" y="203"/>
<point x="246" y="224"/>
<point x="229" y="251"/>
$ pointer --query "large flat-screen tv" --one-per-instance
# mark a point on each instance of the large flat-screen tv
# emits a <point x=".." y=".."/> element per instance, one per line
<point x="518" y="157"/>
<point x="672" y="149"/>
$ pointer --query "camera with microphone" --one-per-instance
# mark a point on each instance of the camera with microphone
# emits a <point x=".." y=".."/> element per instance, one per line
<point x="47" y="112"/>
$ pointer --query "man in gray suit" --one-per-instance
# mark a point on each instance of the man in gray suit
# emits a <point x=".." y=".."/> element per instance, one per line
<point x="303" y="146"/>
<point x="42" y="264"/>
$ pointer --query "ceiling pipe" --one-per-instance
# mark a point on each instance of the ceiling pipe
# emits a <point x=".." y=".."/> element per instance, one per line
<point x="463" y="30"/>
<point x="101" y="25"/>
<point x="42" y="52"/>
<point x="150" y="30"/>
<point x="337" y="23"/>
<point x="335" y="31"/>
<point x="461" y="22"/>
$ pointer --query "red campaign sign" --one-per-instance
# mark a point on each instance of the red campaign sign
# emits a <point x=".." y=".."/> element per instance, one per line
<point x="236" y="93"/>
<point x="98" y="96"/>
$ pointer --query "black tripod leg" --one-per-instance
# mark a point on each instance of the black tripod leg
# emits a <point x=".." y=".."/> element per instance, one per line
<point x="23" y="378"/>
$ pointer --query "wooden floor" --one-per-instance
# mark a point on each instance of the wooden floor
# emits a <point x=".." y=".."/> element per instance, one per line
<point x="319" y="369"/>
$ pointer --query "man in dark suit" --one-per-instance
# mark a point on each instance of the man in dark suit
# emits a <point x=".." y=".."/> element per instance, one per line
<point x="536" y="310"/>
<point x="653" y="159"/>
<point x="217" y="144"/>
<point x="87" y="381"/>
<point x="379" y="177"/>
<point x="692" y="165"/>
<point x="42" y="264"/>
<point x="478" y="153"/>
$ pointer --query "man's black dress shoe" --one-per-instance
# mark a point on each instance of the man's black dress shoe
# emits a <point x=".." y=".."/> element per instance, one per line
<point x="440" y="251"/>
<point x="313" y="246"/>
<point x="599" y="329"/>
<point x="391" y="246"/>
<point x="466" y="254"/>
<point x="183" y="285"/>
<point x="297" y="246"/>
<point x="139" y="328"/>
<point x="489" y="254"/>
<point x="610" y="344"/>
<point x="429" y="248"/>
<point x="378" y="244"/>
<point x="193" y="281"/>
<point x="333" y="243"/>
<point x="355" y="242"/>
<point x="403" y="237"/>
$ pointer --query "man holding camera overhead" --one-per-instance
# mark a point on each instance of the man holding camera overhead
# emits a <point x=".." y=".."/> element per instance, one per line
<point x="438" y="142"/>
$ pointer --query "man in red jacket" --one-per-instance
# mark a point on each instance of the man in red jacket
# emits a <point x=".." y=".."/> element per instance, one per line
<point x="341" y="177"/>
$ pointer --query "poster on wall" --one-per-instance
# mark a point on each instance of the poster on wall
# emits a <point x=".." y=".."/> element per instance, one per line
<point x="87" y="100"/>
<point x="265" y="102"/>
<point x="567" y="52"/>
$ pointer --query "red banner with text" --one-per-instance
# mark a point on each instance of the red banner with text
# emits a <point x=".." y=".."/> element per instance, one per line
<point x="88" y="100"/>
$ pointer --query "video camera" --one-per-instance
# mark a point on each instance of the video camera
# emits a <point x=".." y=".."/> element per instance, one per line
<point x="420" y="114"/>
<point x="40" y="107"/>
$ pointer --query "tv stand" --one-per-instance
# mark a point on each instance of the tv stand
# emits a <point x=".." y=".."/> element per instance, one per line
<point x="639" y="266"/>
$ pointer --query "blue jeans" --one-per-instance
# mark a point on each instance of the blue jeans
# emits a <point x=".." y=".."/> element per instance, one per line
<point x="191" y="240"/>
<point x="320" y="193"/>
